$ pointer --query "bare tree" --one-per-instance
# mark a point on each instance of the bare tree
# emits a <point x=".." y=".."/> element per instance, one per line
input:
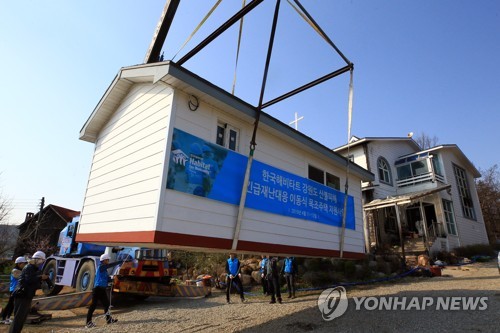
<point x="488" y="190"/>
<point x="425" y="141"/>
<point x="5" y="208"/>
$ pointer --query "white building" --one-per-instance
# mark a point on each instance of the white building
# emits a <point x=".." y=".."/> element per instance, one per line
<point x="171" y="151"/>
<point x="422" y="200"/>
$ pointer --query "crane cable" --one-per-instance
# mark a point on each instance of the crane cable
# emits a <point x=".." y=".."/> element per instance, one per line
<point x="253" y="144"/>
<point x="303" y="13"/>
<point x="238" y="49"/>
<point x="198" y="27"/>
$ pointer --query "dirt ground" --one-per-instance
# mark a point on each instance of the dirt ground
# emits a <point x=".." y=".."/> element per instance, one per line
<point x="302" y="314"/>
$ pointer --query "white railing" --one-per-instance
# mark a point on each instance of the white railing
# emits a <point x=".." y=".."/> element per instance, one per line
<point x="423" y="178"/>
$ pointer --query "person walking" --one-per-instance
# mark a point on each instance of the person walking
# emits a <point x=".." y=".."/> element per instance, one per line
<point x="290" y="270"/>
<point x="14" y="279"/>
<point x="99" y="291"/>
<point x="29" y="281"/>
<point x="273" y="279"/>
<point x="233" y="277"/>
<point x="263" y="274"/>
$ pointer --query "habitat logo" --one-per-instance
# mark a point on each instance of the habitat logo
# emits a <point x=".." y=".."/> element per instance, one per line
<point x="179" y="157"/>
<point x="332" y="303"/>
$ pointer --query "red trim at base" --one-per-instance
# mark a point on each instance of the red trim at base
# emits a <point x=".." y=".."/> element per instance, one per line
<point x="204" y="242"/>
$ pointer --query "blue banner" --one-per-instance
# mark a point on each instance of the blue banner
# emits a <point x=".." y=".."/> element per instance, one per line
<point x="209" y="170"/>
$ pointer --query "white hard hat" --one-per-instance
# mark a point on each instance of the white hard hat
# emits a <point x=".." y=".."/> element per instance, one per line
<point x="105" y="256"/>
<point x="38" y="255"/>
<point x="21" y="260"/>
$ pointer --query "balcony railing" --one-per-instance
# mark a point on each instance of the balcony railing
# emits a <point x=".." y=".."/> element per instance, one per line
<point x="422" y="178"/>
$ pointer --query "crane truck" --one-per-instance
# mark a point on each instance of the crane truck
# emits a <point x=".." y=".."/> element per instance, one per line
<point x="144" y="272"/>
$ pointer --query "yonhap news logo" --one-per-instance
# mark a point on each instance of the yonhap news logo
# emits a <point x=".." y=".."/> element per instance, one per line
<point x="333" y="303"/>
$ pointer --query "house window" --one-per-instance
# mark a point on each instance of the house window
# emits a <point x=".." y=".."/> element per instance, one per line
<point x="384" y="171"/>
<point x="436" y="165"/>
<point x="227" y="136"/>
<point x="464" y="192"/>
<point x="324" y="178"/>
<point x="450" y="219"/>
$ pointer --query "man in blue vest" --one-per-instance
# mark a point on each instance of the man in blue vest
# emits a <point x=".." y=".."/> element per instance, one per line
<point x="99" y="291"/>
<point x="233" y="276"/>
<point x="263" y="274"/>
<point x="290" y="270"/>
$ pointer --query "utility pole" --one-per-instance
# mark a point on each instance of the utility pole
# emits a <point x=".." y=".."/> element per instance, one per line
<point x="42" y="203"/>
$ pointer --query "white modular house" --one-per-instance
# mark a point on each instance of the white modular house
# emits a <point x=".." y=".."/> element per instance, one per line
<point x="171" y="153"/>
<point x="420" y="200"/>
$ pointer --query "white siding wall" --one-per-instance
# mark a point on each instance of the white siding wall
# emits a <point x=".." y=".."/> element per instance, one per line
<point x="184" y="213"/>
<point x="128" y="158"/>
<point x="469" y="231"/>
<point x="390" y="150"/>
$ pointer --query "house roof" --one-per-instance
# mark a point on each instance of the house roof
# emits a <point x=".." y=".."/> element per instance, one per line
<point x="65" y="214"/>
<point x="458" y="152"/>
<point x="180" y="78"/>
<point x="357" y="141"/>
<point x="402" y="199"/>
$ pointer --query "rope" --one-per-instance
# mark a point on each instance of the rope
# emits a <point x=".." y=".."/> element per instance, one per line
<point x="198" y="27"/>
<point x="238" y="49"/>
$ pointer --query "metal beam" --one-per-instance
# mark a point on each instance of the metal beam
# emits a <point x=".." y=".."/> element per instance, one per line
<point x="308" y="85"/>
<point x="220" y="30"/>
<point x="167" y="16"/>
<point x="323" y="34"/>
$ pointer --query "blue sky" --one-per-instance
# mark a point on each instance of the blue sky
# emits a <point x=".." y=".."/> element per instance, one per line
<point x="420" y="66"/>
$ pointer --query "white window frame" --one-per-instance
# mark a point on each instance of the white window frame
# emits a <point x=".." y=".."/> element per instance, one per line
<point x="325" y="173"/>
<point x="226" y="139"/>
<point x="449" y="217"/>
<point x="385" y="171"/>
<point x="464" y="192"/>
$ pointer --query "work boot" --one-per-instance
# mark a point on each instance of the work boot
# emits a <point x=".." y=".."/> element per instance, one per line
<point x="279" y="300"/>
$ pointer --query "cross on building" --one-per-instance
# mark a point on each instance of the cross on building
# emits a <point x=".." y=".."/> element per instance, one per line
<point x="296" y="121"/>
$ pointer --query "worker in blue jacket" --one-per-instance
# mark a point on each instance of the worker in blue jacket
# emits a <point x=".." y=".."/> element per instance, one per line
<point x="263" y="274"/>
<point x="29" y="281"/>
<point x="14" y="279"/>
<point x="290" y="270"/>
<point x="99" y="291"/>
<point x="233" y="276"/>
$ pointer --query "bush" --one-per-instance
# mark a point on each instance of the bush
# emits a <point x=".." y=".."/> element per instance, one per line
<point x="470" y="251"/>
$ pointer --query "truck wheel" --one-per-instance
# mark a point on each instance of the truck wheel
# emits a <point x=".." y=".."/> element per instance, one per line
<point x="50" y="269"/>
<point x="85" y="278"/>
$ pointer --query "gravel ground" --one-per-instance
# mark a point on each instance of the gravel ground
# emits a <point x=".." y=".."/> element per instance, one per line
<point x="212" y="314"/>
